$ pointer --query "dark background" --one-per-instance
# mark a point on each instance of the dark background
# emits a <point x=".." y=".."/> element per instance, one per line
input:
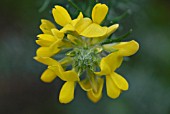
<point x="148" y="71"/>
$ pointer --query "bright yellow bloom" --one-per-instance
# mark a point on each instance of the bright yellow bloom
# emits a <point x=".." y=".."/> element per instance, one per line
<point x="50" y="41"/>
<point x="84" y="26"/>
<point x="91" y="28"/>
<point x="114" y="82"/>
<point x="55" y="69"/>
<point x="46" y="26"/>
<point x="63" y="18"/>
<point x="95" y="95"/>
<point x="93" y="86"/>
<point x="67" y="92"/>
<point x="75" y="54"/>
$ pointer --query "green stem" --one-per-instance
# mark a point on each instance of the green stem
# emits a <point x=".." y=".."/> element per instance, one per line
<point x="44" y="6"/>
<point x="119" y="39"/>
<point x="117" y="19"/>
<point x="97" y="1"/>
<point x="74" y="5"/>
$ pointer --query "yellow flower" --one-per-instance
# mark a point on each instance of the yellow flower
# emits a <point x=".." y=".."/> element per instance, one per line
<point x="55" y="69"/>
<point x="78" y="46"/>
<point x="50" y="41"/>
<point x="95" y="94"/>
<point x="93" y="85"/>
<point x="67" y="92"/>
<point x="48" y="48"/>
<point x="115" y="83"/>
<point x="91" y="28"/>
<point x="63" y="18"/>
<point x="46" y="26"/>
<point x="84" y="26"/>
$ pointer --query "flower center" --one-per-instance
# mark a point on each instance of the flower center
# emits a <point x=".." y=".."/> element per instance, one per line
<point x="85" y="58"/>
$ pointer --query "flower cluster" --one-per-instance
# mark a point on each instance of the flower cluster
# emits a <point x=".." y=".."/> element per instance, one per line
<point x="76" y="55"/>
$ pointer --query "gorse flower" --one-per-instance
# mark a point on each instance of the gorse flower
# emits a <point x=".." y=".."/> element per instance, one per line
<point x="76" y="54"/>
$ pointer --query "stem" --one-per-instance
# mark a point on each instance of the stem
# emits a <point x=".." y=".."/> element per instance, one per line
<point x="122" y="16"/>
<point x="119" y="39"/>
<point x="44" y="6"/>
<point x="74" y="5"/>
<point x="97" y="1"/>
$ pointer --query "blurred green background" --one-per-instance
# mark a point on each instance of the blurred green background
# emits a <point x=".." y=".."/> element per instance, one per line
<point x="148" y="71"/>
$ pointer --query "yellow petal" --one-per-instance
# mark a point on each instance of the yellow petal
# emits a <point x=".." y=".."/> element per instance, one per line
<point x="112" y="90"/>
<point x="67" y="28"/>
<point x="119" y="61"/>
<point x="70" y="76"/>
<point x="109" y="64"/>
<point x="112" y="29"/>
<point x="58" y="70"/>
<point x="120" y="82"/>
<point x="56" y="45"/>
<point x="105" y="69"/>
<point x="44" y="43"/>
<point x="53" y="65"/>
<point x="85" y="85"/>
<point x="45" y="40"/>
<point x="99" y="12"/>
<point x="127" y="48"/>
<point x="100" y="83"/>
<point x="48" y="76"/>
<point x="82" y="24"/>
<point x="46" y="52"/>
<point x="72" y="38"/>
<point x="46" y="26"/>
<point x="80" y="16"/>
<point x="64" y="75"/>
<point x="113" y="61"/>
<point x="75" y="21"/>
<point x="47" y="61"/>
<point x="92" y="97"/>
<point x="58" y="34"/>
<point x="67" y="92"/>
<point x="61" y="15"/>
<point x="96" y="96"/>
<point x="46" y="37"/>
<point x="94" y="30"/>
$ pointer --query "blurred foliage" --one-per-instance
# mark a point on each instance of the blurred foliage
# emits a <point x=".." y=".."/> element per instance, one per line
<point x="22" y="92"/>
